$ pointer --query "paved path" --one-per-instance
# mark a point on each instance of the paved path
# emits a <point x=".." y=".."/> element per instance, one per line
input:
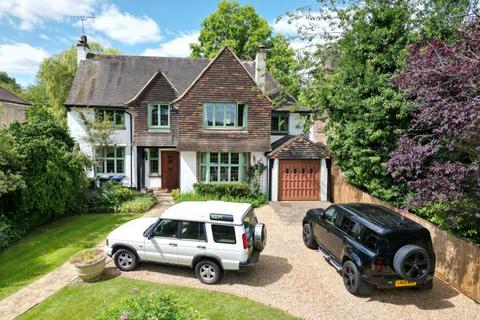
<point x="36" y="292"/>
<point x="299" y="281"/>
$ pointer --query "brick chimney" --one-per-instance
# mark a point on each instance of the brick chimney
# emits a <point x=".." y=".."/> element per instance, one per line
<point x="82" y="49"/>
<point x="261" y="66"/>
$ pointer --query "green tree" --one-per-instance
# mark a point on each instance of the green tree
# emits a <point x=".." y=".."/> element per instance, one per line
<point x="243" y="30"/>
<point x="10" y="83"/>
<point x="10" y="165"/>
<point x="55" y="77"/>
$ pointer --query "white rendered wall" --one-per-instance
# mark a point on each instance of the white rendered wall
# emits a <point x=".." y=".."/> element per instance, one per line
<point x="256" y="157"/>
<point x="120" y="138"/>
<point x="275" y="180"/>
<point x="323" y="180"/>
<point x="295" y="125"/>
<point x="188" y="170"/>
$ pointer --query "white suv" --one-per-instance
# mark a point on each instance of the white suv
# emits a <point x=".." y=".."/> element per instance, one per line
<point x="210" y="236"/>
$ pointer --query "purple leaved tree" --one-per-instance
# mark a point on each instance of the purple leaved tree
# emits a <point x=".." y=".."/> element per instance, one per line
<point x="438" y="156"/>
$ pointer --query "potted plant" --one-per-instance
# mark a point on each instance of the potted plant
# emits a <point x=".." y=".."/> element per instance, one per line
<point x="89" y="263"/>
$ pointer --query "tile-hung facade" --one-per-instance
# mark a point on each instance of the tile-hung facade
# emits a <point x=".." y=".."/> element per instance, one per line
<point x="180" y="121"/>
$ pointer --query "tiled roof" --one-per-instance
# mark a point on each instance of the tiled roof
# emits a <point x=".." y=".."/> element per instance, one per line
<point x="8" y="96"/>
<point x="297" y="147"/>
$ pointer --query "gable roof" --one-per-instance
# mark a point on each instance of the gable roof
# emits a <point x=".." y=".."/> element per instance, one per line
<point x="8" y="96"/>
<point x="157" y="74"/>
<point x="297" y="147"/>
<point x="106" y="80"/>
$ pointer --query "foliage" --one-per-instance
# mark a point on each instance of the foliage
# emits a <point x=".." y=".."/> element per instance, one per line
<point x="10" y="84"/>
<point x="146" y="305"/>
<point x="87" y="256"/>
<point x="9" y="233"/>
<point x="49" y="246"/>
<point x="79" y="301"/>
<point x="438" y="157"/>
<point x="243" y="30"/>
<point x="254" y="175"/>
<point x="10" y="165"/>
<point x="140" y="204"/>
<point x="53" y="170"/>
<point x="231" y="192"/>
<point x="55" y="77"/>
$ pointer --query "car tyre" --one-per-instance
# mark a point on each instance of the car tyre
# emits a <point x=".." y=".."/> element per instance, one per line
<point x="352" y="280"/>
<point x="208" y="272"/>
<point x="412" y="262"/>
<point x="308" y="238"/>
<point x="125" y="259"/>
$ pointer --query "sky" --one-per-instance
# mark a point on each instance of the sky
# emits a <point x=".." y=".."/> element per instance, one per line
<point x="31" y="30"/>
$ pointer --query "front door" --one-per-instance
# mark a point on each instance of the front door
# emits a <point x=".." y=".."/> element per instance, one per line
<point x="170" y="170"/>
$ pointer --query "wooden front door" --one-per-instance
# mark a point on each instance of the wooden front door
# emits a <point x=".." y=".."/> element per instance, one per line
<point x="299" y="180"/>
<point x="170" y="170"/>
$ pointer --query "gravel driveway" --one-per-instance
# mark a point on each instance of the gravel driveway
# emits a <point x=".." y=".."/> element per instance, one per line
<point x="298" y="280"/>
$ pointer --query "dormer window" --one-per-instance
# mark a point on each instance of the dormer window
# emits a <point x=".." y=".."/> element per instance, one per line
<point x="225" y="115"/>
<point x="280" y="123"/>
<point x="158" y="116"/>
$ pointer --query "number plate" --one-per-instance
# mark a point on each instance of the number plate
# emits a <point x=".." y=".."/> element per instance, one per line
<point x="405" y="283"/>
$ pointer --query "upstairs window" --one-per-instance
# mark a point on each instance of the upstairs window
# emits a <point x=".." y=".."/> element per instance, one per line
<point x="279" y="123"/>
<point x="158" y="116"/>
<point x="223" y="167"/>
<point x="111" y="160"/>
<point x="225" y="115"/>
<point x="115" y="117"/>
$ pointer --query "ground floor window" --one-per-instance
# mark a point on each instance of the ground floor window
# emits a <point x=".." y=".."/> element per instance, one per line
<point x="154" y="158"/>
<point x="111" y="160"/>
<point x="223" y="166"/>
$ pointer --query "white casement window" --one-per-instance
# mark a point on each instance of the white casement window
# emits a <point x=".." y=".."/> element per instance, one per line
<point x="225" y="115"/>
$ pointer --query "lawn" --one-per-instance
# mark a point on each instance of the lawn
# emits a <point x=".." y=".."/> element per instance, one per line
<point x="49" y="246"/>
<point x="80" y="301"/>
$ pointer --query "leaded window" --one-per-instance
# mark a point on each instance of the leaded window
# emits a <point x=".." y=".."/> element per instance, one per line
<point x="154" y="158"/>
<point x="115" y="117"/>
<point x="158" y="116"/>
<point x="111" y="160"/>
<point x="223" y="167"/>
<point x="225" y="115"/>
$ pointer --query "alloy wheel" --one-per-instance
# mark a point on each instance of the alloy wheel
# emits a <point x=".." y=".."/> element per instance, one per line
<point x="416" y="266"/>
<point x="307" y="237"/>
<point x="125" y="260"/>
<point x="348" y="277"/>
<point x="207" y="272"/>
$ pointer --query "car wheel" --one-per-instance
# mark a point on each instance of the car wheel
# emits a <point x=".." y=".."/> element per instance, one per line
<point x="412" y="262"/>
<point x="308" y="239"/>
<point x="125" y="259"/>
<point x="208" y="272"/>
<point x="260" y="236"/>
<point x="352" y="280"/>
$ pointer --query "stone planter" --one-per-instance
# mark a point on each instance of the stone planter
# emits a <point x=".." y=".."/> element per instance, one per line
<point x="91" y="269"/>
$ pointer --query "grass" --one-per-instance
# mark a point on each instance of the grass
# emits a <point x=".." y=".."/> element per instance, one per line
<point x="49" y="246"/>
<point x="81" y="301"/>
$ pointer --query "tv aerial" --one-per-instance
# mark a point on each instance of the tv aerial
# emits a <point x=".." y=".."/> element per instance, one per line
<point x="84" y="19"/>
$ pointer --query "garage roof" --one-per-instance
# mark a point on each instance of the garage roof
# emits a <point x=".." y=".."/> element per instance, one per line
<point x="297" y="147"/>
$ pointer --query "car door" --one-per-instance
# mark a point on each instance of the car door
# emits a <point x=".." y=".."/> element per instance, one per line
<point x="327" y="234"/>
<point x="192" y="241"/>
<point x="163" y="246"/>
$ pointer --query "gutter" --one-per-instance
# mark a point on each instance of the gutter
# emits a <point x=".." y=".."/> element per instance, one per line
<point x="131" y="148"/>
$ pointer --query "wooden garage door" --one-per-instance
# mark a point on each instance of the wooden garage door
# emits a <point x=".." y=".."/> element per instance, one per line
<point x="299" y="180"/>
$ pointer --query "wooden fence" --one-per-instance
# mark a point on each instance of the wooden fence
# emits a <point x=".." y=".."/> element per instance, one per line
<point x="457" y="261"/>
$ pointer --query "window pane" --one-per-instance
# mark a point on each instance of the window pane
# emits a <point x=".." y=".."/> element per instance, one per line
<point x="230" y="115"/>
<point x="274" y="122"/>
<point x="100" y="167"/>
<point x="110" y="166"/>
<point x="223" y="173"/>
<point x="110" y="115"/>
<point x="154" y="116"/>
<point x="110" y="152"/>
<point x="224" y="158"/>
<point x="224" y="234"/>
<point x="193" y="231"/>
<point x="219" y="115"/>
<point x="209" y="114"/>
<point x="154" y="153"/>
<point x="119" y="118"/>
<point x="99" y="115"/>
<point x="203" y="158"/>
<point x="166" y="228"/>
<point x="213" y="157"/>
<point x="234" y="158"/>
<point x="120" y="152"/>
<point x="240" y="115"/>
<point x="203" y="174"/>
<point x="120" y="165"/>
<point x="164" y="115"/>
<point x="154" y="166"/>
<point x="213" y="174"/>
<point x="284" y="123"/>
<point x="234" y="174"/>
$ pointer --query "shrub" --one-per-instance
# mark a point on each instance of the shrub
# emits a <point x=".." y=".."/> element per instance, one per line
<point x="223" y="189"/>
<point x="148" y="306"/>
<point x="113" y="194"/>
<point x="9" y="233"/>
<point x="140" y="204"/>
<point x="87" y="256"/>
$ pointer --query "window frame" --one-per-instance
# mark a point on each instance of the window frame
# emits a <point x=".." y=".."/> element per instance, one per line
<point x="202" y="225"/>
<point x="224" y="126"/>
<point x="157" y="159"/>
<point x="223" y="226"/>
<point x="277" y="131"/>
<point x="150" y="108"/>
<point x="104" y="158"/>
<point x="179" y="223"/>
<point x="118" y="126"/>
<point x="205" y="162"/>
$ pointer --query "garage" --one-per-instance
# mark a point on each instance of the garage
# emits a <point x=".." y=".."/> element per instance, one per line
<point x="299" y="170"/>
<point x="299" y="180"/>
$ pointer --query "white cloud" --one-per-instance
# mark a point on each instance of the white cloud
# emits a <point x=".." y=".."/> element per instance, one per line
<point x="20" y="58"/>
<point x="126" y="28"/>
<point x="178" y="47"/>
<point x="29" y="13"/>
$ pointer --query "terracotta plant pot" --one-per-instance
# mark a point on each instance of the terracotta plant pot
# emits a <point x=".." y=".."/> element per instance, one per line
<point x="89" y="264"/>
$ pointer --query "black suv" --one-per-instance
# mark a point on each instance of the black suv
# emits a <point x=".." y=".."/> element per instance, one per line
<point x="371" y="246"/>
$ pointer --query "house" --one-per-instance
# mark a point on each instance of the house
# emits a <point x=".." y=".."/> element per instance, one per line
<point x="182" y="121"/>
<point x="12" y="107"/>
